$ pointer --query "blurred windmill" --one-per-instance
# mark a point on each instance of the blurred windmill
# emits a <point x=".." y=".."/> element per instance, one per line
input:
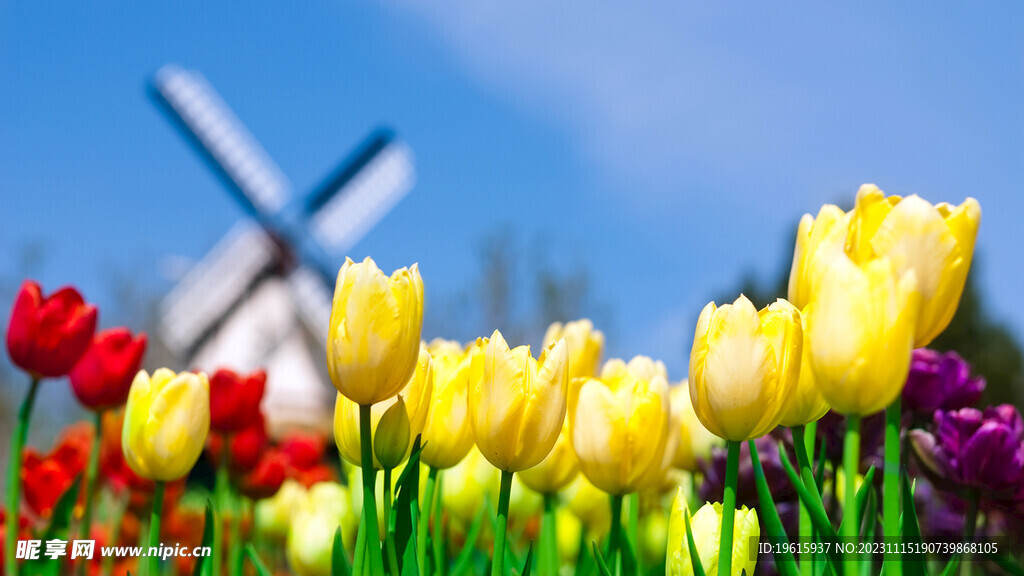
<point x="262" y="296"/>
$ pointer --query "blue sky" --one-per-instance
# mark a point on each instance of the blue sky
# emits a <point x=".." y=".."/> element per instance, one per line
<point x="669" y="148"/>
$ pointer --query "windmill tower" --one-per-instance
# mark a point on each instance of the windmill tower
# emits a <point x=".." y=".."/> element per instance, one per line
<point x="262" y="296"/>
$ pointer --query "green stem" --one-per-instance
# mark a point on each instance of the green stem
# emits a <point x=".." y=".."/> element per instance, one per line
<point x="360" y="555"/>
<point x="806" y="530"/>
<point x="851" y="466"/>
<point x="970" y="523"/>
<point x="732" y="464"/>
<point x="549" y="536"/>
<point x="154" y="527"/>
<point x="634" y="528"/>
<point x="614" y="532"/>
<point x="437" y="539"/>
<point x="498" y="564"/>
<point x="369" y="483"/>
<point x="424" y="524"/>
<point x="90" y="481"/>
<point x="220" y="498"/>
<point x="14" y="476"/>
<point x="389" y="533"/>
<point x="891" y="486"/>
<point x="115" y="532"/>
<point x="235" y="550"/>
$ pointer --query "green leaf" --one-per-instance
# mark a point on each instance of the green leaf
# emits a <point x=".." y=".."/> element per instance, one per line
<point x="628" y="555"/>
<point x="407" y="493"/>
<point x="1006" y="563"/>
<point x="529" y="561"/>
<point x="60" y="518"/>
<point x="339" y="559"/>
<point x="866" y="487"/>
<point x="869" y="528"/>
<point x="254" y="557"/>
<point x="776" y="533"/>
<point x="910" y="530"/>
<point x="601" y="564"/>
<point x="409" y="565"/>
<point x="695" y="563"/>
<point x="205" y="564"/>
<point x="462" y="562"/>
<point x="816" y="510"/>
<point x="951" y="567"/>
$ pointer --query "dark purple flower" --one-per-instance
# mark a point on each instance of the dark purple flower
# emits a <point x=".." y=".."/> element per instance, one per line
<point x="975" y="449"/>
<point x="940" y="381"/>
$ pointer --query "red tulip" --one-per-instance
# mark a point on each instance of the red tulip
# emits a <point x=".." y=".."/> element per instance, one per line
<point x="304" y="450"/>
<point x="244" y="448"/>
<point x="46" y="478"/>
<point x="104" y="374"/>
<point x="47" y="336"/>
<point x="268" y="475"/>
<point x="235" y="399"/>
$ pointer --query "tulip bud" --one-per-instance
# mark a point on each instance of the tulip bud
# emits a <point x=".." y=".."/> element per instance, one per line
<point x="165" y="424"/>
<point x="375" y="327"/>
<point x="706" y="527"/>
<point x="448" y="435"/>
<point x="861" y="333"/>
<point x="46" y="336"/>
<point x="391" y="438"/>
<point x="102" y="377"/>
<point x="585" y="345"/>
<point x="695" y="441"/>
<point x="416" y="394"/>
<point x="517" y="405"/>
<point x="807" y="404"/>
<point x="556" y="470"/>
<point x="235" y="399"/>
<point x="744" y="367"/>
<point x="620" y="425"/>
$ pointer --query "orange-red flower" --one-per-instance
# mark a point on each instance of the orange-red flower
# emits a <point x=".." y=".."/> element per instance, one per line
<point x="235" y="399"/>
<point x="102" y="377"/>
<point x="267" y="476"/>
<point x="244" y="447"/>
<point x="47" y="478"/>
<point x="47" y="335"/>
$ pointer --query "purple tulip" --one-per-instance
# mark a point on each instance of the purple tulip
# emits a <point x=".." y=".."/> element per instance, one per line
<point x="940" y="381"/>
<point x="975" y="449"/>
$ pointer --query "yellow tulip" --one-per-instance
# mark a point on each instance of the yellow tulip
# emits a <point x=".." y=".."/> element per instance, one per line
<point x="861" y="334"/>
<point x="706" y="526"/>
<point x="311" y="535"/>
<point x="273" y="516"/>
<point x="375" y="327"/>
<point x="936" y="242"/>
<point x="465" y="485"/>
<point x="416" y="397"/>
<point x="807" y="404"/>
<point x="448" y="434"/>
<point x="744" y="367"/>
<point x="695" y="441"/>
<point x="818" y="241"/>
<point x="585" y="345"/>
<point x="556" y="470"/>
<point x="620" y="424"/>
<point x="517" y="404"/>
<point x="588" y="503"/>
<point x="165" y="423"/>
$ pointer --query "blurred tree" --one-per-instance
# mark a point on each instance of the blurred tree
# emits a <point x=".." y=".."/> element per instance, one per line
<point x="517" y="291"/>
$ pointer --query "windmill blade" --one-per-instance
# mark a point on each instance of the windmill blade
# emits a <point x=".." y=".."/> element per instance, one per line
<point x="312" y="297"/>
<point x="214" y="286"/>
<point x="222" y="139"/>
<point x="360" y="192"/>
